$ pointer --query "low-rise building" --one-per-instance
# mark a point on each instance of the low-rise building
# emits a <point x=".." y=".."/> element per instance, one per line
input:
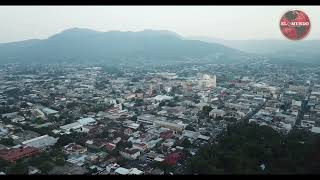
<point x="14" y="154"/>
<point x="41" y="142"/>
<point x="130" y="153"/>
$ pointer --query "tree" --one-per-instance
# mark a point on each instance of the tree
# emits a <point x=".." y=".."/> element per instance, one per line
<point x="134" y="118"/>
<point x="124" y="144"/>
<point x="138" y="91"/>
<point x="18" y="168"/>
<point x="138" y="102"/>
<point x="162" y="103"/>
<point x="206" y="110"/>
<point x="190" y="128"/>
<point x="163" y="166"/>
<point x="186" y="143"/>
<point x="7" y="142"/>
<point x="244" y="147"/>
<point x="45" y="166"/>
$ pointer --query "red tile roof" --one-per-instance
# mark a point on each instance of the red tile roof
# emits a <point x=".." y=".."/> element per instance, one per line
<point x="14" y="154"/>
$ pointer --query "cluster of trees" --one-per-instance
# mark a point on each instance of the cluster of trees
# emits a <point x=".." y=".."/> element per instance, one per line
<point x="75" y="137"/>
<point x="204" y="113"/>
<point x="245" y="149"/>
<point x="7" y="141"/>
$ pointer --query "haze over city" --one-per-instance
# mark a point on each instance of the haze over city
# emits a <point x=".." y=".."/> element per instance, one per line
<point x="223" y="22"/>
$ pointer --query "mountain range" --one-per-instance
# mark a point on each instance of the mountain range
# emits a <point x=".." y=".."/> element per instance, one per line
<point x="303" y="51"/>
<point x="79" y="45"/>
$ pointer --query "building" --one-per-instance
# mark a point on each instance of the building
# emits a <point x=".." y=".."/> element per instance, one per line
<point x="3" y="131"/>
<point x="130" y="153"/>
<point x="74" y="148"/>
<point x="14" y="154"/>
<point x="151" y="119"/>
<point x="72" y="126"/>
<point x="160" y="98"/>
<point x="217" y="113"/>
<point x="41" y="142"/>
<point x="208" y="82"/>
<point x="315" y="130"/>
<point x="125" y="171"/>
<point x="122" y="171"/>
<point x="48" y="111"/>
<point x="87" y="121"/>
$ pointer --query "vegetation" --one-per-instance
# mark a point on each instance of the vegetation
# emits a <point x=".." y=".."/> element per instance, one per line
<point x="7" y="141"/>
<point x="166" y="168"/>
<point x="19" y="167"/>
<point x="204" y="113"/>
<point x="190" y="128"/>
<point x="244" y="148"/>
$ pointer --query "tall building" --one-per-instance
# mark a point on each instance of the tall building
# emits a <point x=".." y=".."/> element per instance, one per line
<point x="208" y="82"/>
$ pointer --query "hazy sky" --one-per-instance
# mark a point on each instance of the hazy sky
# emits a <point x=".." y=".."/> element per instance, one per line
<point x="225" y="22"/>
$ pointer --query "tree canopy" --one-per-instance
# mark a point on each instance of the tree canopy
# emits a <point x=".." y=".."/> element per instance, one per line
<point x="244" y="148"/>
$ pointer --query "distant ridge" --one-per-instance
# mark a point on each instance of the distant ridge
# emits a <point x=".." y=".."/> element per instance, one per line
<point x="80" y="45"/>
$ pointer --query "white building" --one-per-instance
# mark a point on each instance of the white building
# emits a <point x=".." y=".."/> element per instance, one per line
<point x="41" y="142"/>
<point x="160" y="98"/>
<point x="208" y="81"/>
<point x="130" y="153"/>
<point x="217" y="113"/>
<point x="125" y="171"/>
<point x="48" y="111"/>
<point x="72" y="126"/>
<point x="315" y="130"/>
<point x="87" y="121"/>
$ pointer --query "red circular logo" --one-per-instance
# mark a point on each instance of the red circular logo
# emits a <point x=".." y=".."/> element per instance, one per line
<point x="295" y="25"/>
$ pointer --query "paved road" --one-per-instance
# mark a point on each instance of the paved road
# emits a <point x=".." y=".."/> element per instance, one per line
<point x="303" y="108"/>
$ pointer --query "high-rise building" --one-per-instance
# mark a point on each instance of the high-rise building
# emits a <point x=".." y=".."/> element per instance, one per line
<point x="208" y="82"/>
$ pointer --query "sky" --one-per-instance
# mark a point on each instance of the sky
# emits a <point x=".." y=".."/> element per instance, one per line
<point x="224" y="22"/>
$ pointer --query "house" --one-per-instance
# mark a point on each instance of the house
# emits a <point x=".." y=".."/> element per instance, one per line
<point x="173" y="158"/>
<point x="96" y="143"/>
<point x="77" y="159"/>
<point x="166" y="134"/>
<point x="168" y="142"/>
<point x="130" y="153"/>
<point x="135" y="171"/>
<point x="74" y="148"/>
<point x="202" y="137"/>
<point x="217" y="113"/>
<point x="3" y="131"/>
<point x="140" y="146"/>
<point x="110" y="146"/>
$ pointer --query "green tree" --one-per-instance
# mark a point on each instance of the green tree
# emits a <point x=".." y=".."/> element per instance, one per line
<point x="186" y="143"/>
<point x="244" y="147"/>
<point x="7" y="142"/>
<point x="18" y="168"/>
